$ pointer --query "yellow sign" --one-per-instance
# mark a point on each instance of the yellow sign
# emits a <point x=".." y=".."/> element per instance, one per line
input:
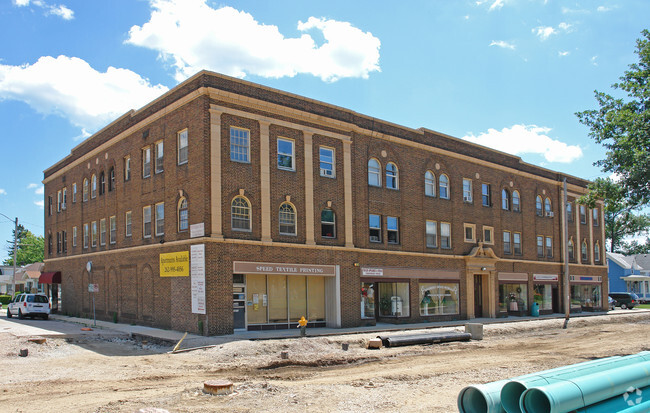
<point x="175" y="264"/>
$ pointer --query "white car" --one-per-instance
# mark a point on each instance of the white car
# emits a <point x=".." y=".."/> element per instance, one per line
<point x="29" y="305"/>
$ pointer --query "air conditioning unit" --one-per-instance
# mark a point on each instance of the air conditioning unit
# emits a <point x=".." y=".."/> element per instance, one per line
<point x="326" y="172"/>
<point x="549" y="214"/>
<point x="467" y="198"/>
<point x="63" y="206"/>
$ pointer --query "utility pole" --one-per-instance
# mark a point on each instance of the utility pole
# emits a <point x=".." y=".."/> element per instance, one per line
<point x="15" y="248"/>
<point x="565" y="255"/>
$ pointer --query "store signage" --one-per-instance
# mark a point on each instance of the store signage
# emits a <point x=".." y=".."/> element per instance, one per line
<point x="545" y="277"/>
<point x="590" y="279"/>
<point x="175" y="264"/>
<point x="197" y="271"/>
<point x="93" y="288"/>
<point x="197" y="230"/>
<point x="244" y="267"/>
<point x="372" y="272"/>
<point x="513" y="276"/>
<point x="412" y="273"/>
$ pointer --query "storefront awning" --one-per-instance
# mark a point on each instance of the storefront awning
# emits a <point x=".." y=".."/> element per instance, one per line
<point x="50" y="278"/>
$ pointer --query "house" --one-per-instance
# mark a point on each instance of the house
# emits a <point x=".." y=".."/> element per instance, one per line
<point x="6" y="279"/>
<point x="629" y="274"/>
<point x="28" y="278"/>
<point x="226" y="205"/>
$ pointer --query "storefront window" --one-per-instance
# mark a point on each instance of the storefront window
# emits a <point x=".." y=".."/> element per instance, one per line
<point x="513" y="298"/>
<point x="438" y="298"/>
<point x="585" y="296"/>
<point x="367" y="300"/>
<point x="394" y="299"/>
<point x="543" y="296"/>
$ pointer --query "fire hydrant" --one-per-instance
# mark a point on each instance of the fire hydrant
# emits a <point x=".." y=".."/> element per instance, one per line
<point x="302" y="325"/>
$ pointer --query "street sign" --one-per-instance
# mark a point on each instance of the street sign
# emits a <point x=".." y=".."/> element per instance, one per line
<point x="93" y="288"/>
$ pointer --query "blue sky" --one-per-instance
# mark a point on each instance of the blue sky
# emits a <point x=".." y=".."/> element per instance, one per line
<point x="509" y="74"/>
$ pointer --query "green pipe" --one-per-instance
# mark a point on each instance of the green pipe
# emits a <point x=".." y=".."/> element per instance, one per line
<point x="486" y="398"/>
<point x="578" y="392"/>
<point x="634" y="402"/>
<point x="512" y="391"/>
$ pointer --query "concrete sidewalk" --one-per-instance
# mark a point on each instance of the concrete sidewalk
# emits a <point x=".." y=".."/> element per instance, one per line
<point x="193" y="340"/>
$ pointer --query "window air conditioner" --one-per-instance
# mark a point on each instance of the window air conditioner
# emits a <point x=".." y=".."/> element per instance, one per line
<point x="549" y="214"/>
<point x="467" y="198"/>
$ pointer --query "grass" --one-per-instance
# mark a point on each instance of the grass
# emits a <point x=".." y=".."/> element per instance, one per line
<point x="643" y="306"/>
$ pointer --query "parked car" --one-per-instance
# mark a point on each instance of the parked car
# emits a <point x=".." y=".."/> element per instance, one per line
<point x="29" y="305"/>
<point x="625" y="300"/>
<point x="611" y="303"/>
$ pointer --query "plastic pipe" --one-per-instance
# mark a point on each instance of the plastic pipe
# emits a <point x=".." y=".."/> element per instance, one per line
<point x="512" y="391"/>
<point x="578" y="392"/>
<point x="423" y="339"/>
<point x="637" y="400"/>
<point x="486" y="398"/>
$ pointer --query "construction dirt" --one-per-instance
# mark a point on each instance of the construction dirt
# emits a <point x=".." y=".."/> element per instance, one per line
<point x="121" y="375"/>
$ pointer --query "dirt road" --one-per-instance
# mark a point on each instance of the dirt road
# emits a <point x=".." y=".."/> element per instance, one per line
<point x="113" y="374"/>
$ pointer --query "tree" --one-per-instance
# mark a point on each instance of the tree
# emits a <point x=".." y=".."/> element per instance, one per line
<point x="620" y="220"/>
<point x="622" y="126"/>
<point x="30" y="248"/>
<point x="635" y="247"/>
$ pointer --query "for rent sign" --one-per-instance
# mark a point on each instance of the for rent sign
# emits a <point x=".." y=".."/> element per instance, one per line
<point x="175" y="264"/>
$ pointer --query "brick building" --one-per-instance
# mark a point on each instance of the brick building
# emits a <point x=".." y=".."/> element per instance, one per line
<point x="227" y="205"/>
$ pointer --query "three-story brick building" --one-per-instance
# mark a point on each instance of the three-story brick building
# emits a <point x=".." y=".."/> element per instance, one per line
<point x="228" y="205"/>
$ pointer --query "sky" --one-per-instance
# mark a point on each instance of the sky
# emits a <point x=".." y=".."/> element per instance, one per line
<point x="507" y="74"/>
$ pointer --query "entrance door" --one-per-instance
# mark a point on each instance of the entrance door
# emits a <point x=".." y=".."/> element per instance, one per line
<point x="478" y="295"/>
<point x="239" y="302"/>
<point x="556" y="298"/>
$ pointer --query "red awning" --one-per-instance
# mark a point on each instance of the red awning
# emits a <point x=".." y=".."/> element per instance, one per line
<point x="50" y="278"/>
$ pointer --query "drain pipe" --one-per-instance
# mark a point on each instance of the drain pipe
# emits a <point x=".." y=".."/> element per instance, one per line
<point x="629" y="402"/>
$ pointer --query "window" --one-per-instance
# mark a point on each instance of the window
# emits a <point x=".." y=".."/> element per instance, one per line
<point x="445" y="235"/>
<point x="111" y="179"/>
<point x="102" y="183"/>
<point x="516" y="201"/>
<point x="507" y="243"/>
<point x="58" y="243"/>
<point x="594" y="214"/>
<point x="583" y="214"/>
<point x="431" y="234"/>
<point x="85" y="235"/>
<point x="571" y="249"/>
<point x="112" y="238"/>
<point x="127" y="168"/>
<point x="64" y="204"/>
<point x="540" y="246"/>
<point x="505" y="199"/>
<point x="469" y="230"/>
<point x="444" y="186"/>
<point x="328" y="223"/>
<point x="74" y="192"/>
<point x="547" y="207"/>
<point x="93" y="234"/>
<point x="286" y="150"/>
<point x="85" y="190"/>
<point x="597" y="252"/>
<point x="182" y="147"/>
<point x="429" y="184"/>
<point x="516" y="241"/>
<point x="375" y="228"/>
<point x="240" y="214"/>
<point x="74" y="236"/>
<point x="488" y="235"/>
<point x="549" y="247"/>
<point x="391" y="176"/>
<point x="374" y="172"/>
<point x="49" y="205"/>
<point x="160" y="219"/>
<point x="64" y="241"/>
<point x="93" y="186"/>
<point x="160" y="156"/>
<point x="486" y="195"/>
<point x="467" y="190"/>
<point x="102" y="231"/>
<point x="58" y="201"/>
<point x="146" y="222"/>
<point x="538" y="206"/>
<point x="287" y="219"/>
<point x="585" y="251"/>
<point x="49" y="243"/>
<point x="326" y="156"/>
<point x="127" y="224"/>
<point x="239" y="145"/>
<point x="183" y="215"/>
<point x="569" y="211"/>
<point x="392" y="230"/>
<point x="438" y="298"/>
<point x="146" y="162"/>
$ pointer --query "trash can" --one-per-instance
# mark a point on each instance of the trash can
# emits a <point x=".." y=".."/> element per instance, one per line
<point x="534" y="310"/>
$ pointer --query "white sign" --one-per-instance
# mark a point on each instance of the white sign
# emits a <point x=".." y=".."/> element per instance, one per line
<point x="93" y="288"/>
<point x="197" y="230"/>
<point x="377" y="272"/>
<point x="197" y="275"/>
<point x="545" y="277"/>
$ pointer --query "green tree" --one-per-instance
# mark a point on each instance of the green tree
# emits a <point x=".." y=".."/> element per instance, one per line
<point x="620" y="219"/>
<point x="635" y="247"/>
<point x="30" y="248"/>
<point x="622" y="126"/>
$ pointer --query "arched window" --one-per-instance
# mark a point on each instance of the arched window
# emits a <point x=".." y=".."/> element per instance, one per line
<point x="111" y="179"/>
<point x="585" y="251"/>
<point x="183" y="215"/>
<point x="429" y="184"/>
<point x="391" y="176"/>
<point x="505" y="199"/>
<point x="93" y="186"/>
<point x="444" y="186"/>
<point x="516" y="201"/>
<point x="85" y="190"/>
<point x="102" y="183"/>
<point x="328" y="223"/>
<point x="571" y="250"/>
<point x="287" y="219"/>
<point x="597" y="251"/>
<point x="547" y="207"/>
<point x="240" y="214"/>
<point x="374" y="172"/>
<point x="538" y="206"/>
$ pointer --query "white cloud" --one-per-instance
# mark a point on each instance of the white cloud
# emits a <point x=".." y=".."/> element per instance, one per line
<point x="21" y="3"/>
<point x="496" y="5"/>
<point x="71" y="88"/>
<point x="603" y="9"/>
<point x="57" y="10"/>
<point x="39" y="204"/>
<point x="593" y="60"/>
<point x="564" y="26"/>
<point x="193" y="36"/>
<point x="502" y="44"/>
<point x="563" y="53"/>
<point x="39" y="189"/>
<point x="3" y="192"/>
<point x="527" y="139"/>
<point x="544" y="32"/>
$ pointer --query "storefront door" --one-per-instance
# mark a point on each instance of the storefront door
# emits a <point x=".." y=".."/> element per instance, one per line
<point x="478" y="296"/>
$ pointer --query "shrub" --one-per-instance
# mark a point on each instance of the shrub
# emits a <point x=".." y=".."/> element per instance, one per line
<point x="4" y="299"/>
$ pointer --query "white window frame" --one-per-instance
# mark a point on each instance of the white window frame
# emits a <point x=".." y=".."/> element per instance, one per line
<point x="597" y="251"/>
<point x="160" y="219"/>
<point x="146" y="162"/>
<point x="516" y="206"/>
<point x="548" y="247"/>
<point x="127" y="168"/>
<point x="182" y="139"/>
<point x="443" y="194"/>
<point x="328" y="223"/>
<point x="183" y="210"/>
<point x="540" y="246"/>
<point x="93" y="234"/>
<point x="516" y="235"/>
<point x="128" y="224"/>
<point x="507" y="242"/>
<point x="445" y="235"/>
<point x="86" y="235"/>
<point x="430" y="184"/>
<point x="284" y="155"/>
<point x="374" y="228"/>
<point x="102" y="231"/>
<point x="240" y="213"/>
<point x="74" y="236"/>
<point x="330" y="166"/>
<point x="64" y="203"/>
<point x="74" y="192"/>
<point x="594" y="215"/>
<point x="146" y="219"/>
<point x="240" y="144"/>
<point x="392" y="176"/>
<point x="85" y="190"/>
<point x="486" y="194"/>
<point x="375" y="172"/>
<point x="392" y="229"/>
<point x="93" y="186"/>
<point x="159" y="148"/>
<point x="467" y="190"/>
<point x="112" y="234"/>
<point x="431" y="234"/>
<point x="58" y="201"/>
<point x="287" y="219"/>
